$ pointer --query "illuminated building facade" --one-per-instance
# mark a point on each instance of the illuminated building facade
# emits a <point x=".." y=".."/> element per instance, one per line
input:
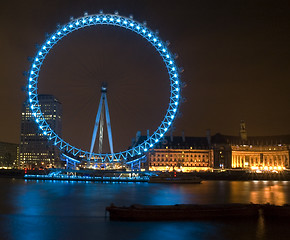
<point x="35" y="150"/>
<point x="257" y="153"/>
<point x="185" y="160"/>
<point x="180" y="153"/>
<point x="9" y="153"/>
<point x="263" y="153"/>
<point x="261" y="158"/>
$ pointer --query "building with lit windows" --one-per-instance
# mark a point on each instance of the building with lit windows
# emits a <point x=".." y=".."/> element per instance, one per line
<point x="256" y="153"/>
<point x="262" y="153"/>
<point x="272" y="157"/>
<point x="35" y="150"/>
<point x="9" y="153"/>
<point x="179" y="153"/>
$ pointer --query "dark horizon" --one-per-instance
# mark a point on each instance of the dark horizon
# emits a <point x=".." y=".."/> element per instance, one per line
<point x="235" y="56"/>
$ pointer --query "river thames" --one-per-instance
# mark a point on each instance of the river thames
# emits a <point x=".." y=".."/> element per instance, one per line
<point x="76" y="210"/>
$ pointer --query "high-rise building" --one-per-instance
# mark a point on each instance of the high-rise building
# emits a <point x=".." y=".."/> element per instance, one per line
<point x="35" y="150"/>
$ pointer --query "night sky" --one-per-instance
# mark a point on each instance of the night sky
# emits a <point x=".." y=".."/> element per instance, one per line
<point x="235" y="55"/>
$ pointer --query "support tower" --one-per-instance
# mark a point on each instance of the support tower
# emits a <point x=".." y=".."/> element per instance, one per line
<point x="103" y="112"/>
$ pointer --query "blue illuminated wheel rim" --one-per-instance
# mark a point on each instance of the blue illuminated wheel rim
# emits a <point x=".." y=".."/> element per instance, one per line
<point x="118" y="21"/>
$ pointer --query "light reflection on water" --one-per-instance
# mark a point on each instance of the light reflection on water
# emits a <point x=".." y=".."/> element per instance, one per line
<point x="274" y="192"/>
<point x="74" y="210"/>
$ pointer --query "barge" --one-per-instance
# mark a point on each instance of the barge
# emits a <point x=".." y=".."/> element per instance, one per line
<point x="182" y="212"/>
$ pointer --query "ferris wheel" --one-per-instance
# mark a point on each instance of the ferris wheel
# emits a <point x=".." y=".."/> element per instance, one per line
<point x="117" y="21"/>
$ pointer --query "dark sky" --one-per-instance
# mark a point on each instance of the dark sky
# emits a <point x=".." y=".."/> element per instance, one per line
<point x="235" y="55"/>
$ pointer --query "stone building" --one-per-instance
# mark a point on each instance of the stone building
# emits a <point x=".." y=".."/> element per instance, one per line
<point x="260" y="153"/>
<point x="180" y="153"/>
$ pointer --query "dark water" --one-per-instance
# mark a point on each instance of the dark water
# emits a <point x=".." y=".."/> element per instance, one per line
<point x="76" y="210"/>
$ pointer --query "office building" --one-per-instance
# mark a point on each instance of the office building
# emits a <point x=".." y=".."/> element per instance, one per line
<point x="35" y="150"/>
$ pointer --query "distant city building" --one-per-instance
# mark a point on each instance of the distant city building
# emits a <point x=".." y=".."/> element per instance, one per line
<point x="35" y="150"/>
<point x="9" y="153"/>
<point x="262" y="153"/>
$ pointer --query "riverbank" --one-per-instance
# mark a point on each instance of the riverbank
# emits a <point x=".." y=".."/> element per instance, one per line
<point x="231" y="175"/>
<point x="65" y="177"/>
<point x="242" y="175"/>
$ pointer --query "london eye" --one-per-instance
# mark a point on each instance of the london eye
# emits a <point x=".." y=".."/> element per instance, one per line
<point x="114" y="20"/>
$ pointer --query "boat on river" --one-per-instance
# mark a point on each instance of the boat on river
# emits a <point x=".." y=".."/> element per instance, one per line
<point x="182" y="212"/>
<point x="174" y="178"/>
<point x="67" y="177"/>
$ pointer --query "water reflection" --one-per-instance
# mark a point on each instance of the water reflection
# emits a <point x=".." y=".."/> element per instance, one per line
<point x="273" y="192"/>
<point x="260" y="234"/>
<point x="74" y="210"/>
